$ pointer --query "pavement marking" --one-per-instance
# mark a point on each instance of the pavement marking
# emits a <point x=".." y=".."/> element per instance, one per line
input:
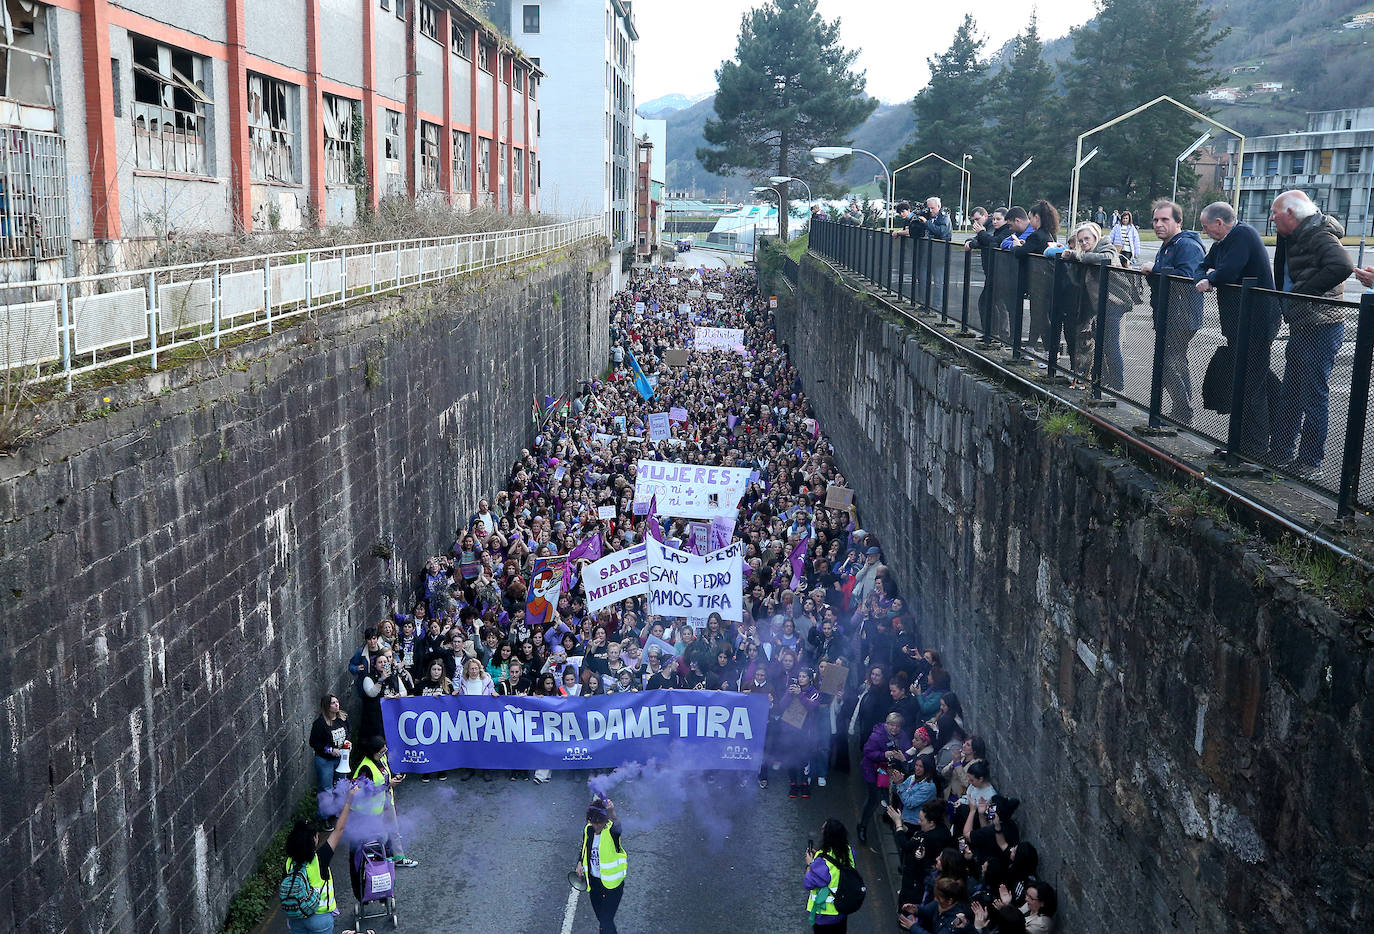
<point x="570" y="911"/>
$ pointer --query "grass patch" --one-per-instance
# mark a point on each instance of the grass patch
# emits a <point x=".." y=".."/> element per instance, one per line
<point x="1062" y="422"/>
<point x="259" y="893"/>
<point x="1341" y="582"/>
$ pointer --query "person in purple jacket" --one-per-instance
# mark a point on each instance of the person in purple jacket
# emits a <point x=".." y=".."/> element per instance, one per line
<point x="823" y="877"/>
<point x="889" y="736"/>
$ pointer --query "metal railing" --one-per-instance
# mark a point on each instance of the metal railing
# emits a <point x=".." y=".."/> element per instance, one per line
<point x="61" y="328"/>
<point x="1274" y="379"/>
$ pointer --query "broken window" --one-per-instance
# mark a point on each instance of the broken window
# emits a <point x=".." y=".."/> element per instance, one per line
<point x="340" y="139"/>
<point x="25" y="60"/>
<point x="519" y="78"/>
<point x="169" y="108"/>
<point x="33" y="195"/>
<point x="518" y="165"/>
<point x="462" y="169"/>
<point x="429" y="156"/>
<point x="484" y="58"/>
<point x="429" y="21"/>
<point x="501" y="166"/>
<point x="458" y="39"/>
<point x="271" y="130"/>
<point x="392" y="143"/>
<point x="484" y="165"/>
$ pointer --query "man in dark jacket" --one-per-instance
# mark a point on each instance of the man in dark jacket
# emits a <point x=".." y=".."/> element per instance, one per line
<point x="1238" y="254"/>
<point x="1181" y="255"/>
<point x="1309" y="260"/>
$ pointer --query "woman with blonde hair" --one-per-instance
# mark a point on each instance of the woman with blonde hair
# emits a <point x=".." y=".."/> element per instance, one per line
<point x="1088" y="247"/>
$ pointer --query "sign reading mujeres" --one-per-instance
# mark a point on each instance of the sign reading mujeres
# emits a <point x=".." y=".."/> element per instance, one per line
<point x="690" y="491"/>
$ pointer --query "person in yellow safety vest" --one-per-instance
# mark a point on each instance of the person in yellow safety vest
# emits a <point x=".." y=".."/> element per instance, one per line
<point x="823" y="876"/>
<point x="373" y="776"/>
<point x="603" y="862"/>
<point x="304" y="850"/>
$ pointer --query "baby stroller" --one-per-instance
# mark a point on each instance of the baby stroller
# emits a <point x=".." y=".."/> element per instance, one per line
<point x="374" y="883"/>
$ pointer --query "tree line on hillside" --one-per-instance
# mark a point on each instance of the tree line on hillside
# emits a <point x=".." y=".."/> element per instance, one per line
<point x="792" y="87"/>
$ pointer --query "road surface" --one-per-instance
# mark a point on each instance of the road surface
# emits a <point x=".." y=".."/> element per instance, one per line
<point x="704" y="856"/>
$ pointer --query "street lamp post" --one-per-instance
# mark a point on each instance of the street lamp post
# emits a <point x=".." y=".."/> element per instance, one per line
<point x="1364" y="228"/>
<point x="1184" y="155"/>
<point x="823" y="154"/>
<point x="968" y="188"/>
<point x="773" y="191"/>
<point x="933" y="155"/>
<point x="780" y="179"/>
<point x="1011" y="185"/>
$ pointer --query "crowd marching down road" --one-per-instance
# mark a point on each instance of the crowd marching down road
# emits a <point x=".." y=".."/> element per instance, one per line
<point x="861" y="742"/>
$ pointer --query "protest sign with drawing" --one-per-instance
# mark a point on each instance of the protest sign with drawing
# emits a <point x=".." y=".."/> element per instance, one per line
<point x="690" y="491"/>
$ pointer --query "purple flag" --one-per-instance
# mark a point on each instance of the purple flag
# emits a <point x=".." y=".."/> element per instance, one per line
<point x="651" y="520"/>
<point x="590" y="548"/>
<point x="732" y="419"/>
<point x="796" y="559"/>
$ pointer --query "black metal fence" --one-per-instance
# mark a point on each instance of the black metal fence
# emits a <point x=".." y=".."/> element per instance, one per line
<point x="1271" y="378"/>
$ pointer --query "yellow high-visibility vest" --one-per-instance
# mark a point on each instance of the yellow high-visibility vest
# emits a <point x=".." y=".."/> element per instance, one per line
<point x="612" y="860"/>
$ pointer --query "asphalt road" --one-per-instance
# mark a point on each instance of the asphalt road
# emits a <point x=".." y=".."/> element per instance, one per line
<point x="705" y="855"/>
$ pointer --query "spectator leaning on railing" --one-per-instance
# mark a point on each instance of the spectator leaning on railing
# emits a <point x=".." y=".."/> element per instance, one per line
<point x="1238" y="254"/>
<point x="1308" y="260"/>
<point x="1180" y="254"/>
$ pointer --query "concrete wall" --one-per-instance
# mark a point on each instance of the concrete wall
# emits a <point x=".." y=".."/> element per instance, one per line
<point x="1190" y="734"/>
<point x="276" y="30"/>
<point x="181" y="579"/>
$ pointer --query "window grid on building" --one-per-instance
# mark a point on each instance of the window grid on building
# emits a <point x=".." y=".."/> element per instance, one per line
<point x="531" y="18"/>
<point x="33" y="211"/>
<point x="458" y="39"/>
<point x="25" y="55"/>
<point x="271" y="131"/>
<point x="169" y="109"/>
<point x="462" y="167"/>
<point x="484" y="165"/>
<point x="429" y="21"/>
<point x="392" y="143"/>
<point x="429" y="156"/>
<point x="340" y="139"/>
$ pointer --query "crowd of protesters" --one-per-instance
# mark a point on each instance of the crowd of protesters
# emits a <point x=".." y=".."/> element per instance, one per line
<point x="832" y="643"/>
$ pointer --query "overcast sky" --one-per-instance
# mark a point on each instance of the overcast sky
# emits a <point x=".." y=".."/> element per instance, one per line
<point x="682" y="42"/>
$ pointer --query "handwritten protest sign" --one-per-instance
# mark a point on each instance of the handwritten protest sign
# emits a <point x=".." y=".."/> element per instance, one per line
<point x="639" y="308"/>
<point x="838" y="497"/>
<point x="672" y="280"/>
<point x="677" y="358"/>
<point x="605" y="512"/>
<point x="719" y="339"/>
<point x="833" y="678"/>
<point x="694" y="293"/>
<point x="690" y="491"/>
<point x="677" y="413"/>
<point x="615" y="577"/>
<point x="659" y="429"/>
<point x="684" y="584"/>
<point x="715" y="296"/>
<point x="684" y="309"/>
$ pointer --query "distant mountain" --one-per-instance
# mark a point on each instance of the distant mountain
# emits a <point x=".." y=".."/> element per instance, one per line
<point x="883" y="133"/>
<point x="660" y="107"/>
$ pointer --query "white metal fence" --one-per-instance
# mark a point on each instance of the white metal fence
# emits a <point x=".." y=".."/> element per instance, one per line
<point x="64" y="327"/>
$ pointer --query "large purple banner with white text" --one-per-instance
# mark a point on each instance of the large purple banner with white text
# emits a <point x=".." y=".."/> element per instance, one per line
<point x="690" y="729"/>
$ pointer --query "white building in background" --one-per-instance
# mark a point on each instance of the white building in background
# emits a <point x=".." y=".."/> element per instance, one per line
<point x="587" y="48"/>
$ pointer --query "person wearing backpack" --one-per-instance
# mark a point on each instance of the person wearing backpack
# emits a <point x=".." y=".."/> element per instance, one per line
<point x="307" y="888"/>
<point x="835" y="888"/>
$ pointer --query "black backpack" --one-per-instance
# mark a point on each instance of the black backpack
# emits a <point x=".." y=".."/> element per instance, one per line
<point x="849" y="890"/>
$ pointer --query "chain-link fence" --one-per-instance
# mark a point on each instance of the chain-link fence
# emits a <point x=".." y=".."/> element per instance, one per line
<point x="1280" y="380"/>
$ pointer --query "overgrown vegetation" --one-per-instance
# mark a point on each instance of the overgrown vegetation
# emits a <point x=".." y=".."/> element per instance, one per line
<point x="396" y="218"/>
<point x="259" y="892"/>
<point x="1344" y="583"/>
<point x="1061" y="422"/>
<point x="19" y="415"/>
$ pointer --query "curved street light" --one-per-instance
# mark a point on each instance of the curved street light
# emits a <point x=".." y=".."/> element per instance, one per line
<point x="965" y="178"/>
<point x="782" y="179"/>
<point x="823" y="154"/>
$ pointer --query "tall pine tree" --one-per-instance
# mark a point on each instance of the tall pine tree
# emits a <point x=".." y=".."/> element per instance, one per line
<point x="791" y="87"/>
<point x="1129" y="55"/>
<point x="949" y="117"/>
<point x="1022" y="109"/>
